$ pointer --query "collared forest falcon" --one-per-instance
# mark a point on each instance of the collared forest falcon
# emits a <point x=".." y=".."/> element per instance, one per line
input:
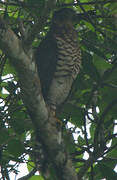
<point x="59" y="58"/>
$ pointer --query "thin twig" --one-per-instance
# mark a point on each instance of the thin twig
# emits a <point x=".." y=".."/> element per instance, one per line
<point x="86" y="134"/>
<point x="28" y="175"/>
<point x="107" y="109"/>
<point x="110" y="137"/>
<point x="87" y="3"/>
<point x="110" y="149"/>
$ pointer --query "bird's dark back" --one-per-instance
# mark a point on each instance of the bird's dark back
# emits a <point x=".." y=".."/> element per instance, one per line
<point x="46" y="61"/>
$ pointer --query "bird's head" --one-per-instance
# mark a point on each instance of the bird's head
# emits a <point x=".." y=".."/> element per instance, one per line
<point x="64" y="16"/>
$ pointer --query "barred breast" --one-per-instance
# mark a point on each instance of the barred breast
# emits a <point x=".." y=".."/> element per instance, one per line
<point x="68" y="64"/>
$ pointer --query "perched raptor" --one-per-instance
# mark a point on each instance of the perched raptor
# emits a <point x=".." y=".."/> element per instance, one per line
<point x="58" y="58"/>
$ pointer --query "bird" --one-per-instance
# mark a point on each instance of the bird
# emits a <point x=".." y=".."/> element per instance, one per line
<point x="58" y="58"/>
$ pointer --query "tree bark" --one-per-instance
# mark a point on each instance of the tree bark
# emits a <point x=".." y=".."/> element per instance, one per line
<point x="43" y="121"/>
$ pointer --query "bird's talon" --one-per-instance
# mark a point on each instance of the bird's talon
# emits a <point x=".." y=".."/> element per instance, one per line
<point x="58" y="121"/>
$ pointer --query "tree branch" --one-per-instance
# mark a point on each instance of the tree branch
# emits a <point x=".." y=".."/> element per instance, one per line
<point x="88" y="3"/>
<point x="18" y="3"/>
<point x="28" y="175"/>
<point x="42" y="19"/>
<point x="44" y="123"/>
<point x="107" y="109"/>
<point x="24" y="65"/>
<point x="86" y="166"/>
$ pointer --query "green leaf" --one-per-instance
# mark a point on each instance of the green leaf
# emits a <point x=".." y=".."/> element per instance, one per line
<point x="89" y="25"/>
<point x="113" y="8"/>
<point x="89" y="67"/>
<point x="101" y="64"/>
<point x="110" y="75"/>
<point x="4" y="135"/>
<point x="108" y="94"/>
<point x="36" y="6"/>
<point x="36" y="177"/>
<point x="19" y="120"/>
<point x="69" y="140"/>
<point x="66" y="1"/>
<point x="15" y="147"/>
<point x="113" y="152"/>
<point x="107" y="172"/>
<point x="92" y="130"/>
<point x="9" y="69"/>
<point x="75" y="113"/>
<point x="30" y="164"/>
<point x="81" y="141"/>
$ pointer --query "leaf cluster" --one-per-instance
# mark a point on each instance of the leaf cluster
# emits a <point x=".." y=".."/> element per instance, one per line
<point x="92" y="105"/>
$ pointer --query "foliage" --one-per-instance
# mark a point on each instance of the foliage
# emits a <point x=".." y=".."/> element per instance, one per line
<point x="92" y="105"/>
